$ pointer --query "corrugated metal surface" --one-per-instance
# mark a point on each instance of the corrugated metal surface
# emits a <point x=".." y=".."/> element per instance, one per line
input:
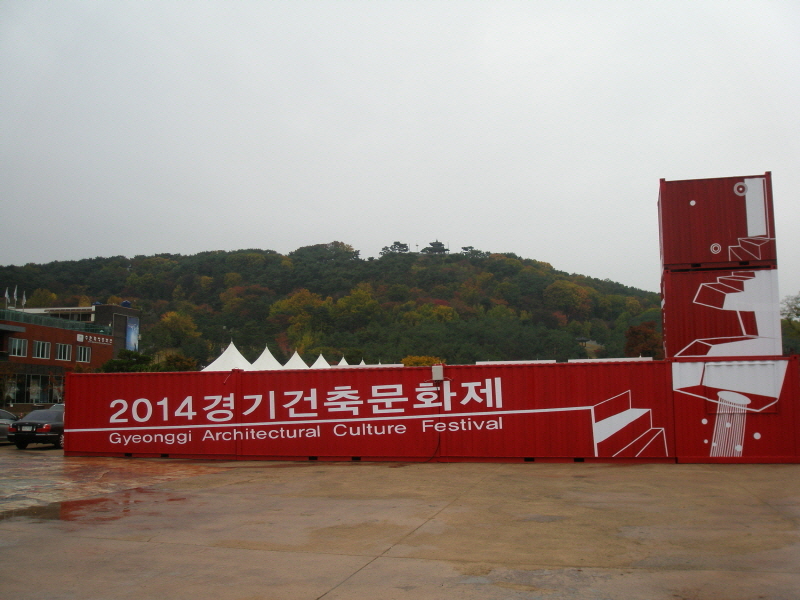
<point x="737" y="411"/>
<point x="144" y="413"/>
<point x="571" y="410"/>
<point x="585" y="411"/>
<point x="619" y="410"/>
<point x="726" y="221"/>
<point x="340" y="413"/>
<point x="732" y="312"/>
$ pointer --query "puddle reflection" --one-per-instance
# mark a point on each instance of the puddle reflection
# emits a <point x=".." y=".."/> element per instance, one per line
<point x="94" y="510"/>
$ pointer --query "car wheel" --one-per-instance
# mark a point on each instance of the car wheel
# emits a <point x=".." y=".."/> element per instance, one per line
<point x="60" y="443"/>
<point x="21" y="445"/>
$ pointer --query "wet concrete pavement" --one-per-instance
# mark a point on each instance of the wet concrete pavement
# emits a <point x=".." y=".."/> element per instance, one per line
<point x="101" y="528"/>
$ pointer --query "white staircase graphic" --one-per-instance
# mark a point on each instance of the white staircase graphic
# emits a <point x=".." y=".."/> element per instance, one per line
<point x="750" y="248"/>
<point x="622" y="431"/>
<point x="752" y="296"/>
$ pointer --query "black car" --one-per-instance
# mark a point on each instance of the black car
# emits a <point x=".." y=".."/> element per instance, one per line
<point x="39" y="427"/>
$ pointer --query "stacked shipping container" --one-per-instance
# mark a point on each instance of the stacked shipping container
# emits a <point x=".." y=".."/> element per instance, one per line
<point x="720" y="319"/>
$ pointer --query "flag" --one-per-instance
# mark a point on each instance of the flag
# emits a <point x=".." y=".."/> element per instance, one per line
<point x="7" y="298"/>
<point x="15" y="295"/>
<point x="23" y="300"/>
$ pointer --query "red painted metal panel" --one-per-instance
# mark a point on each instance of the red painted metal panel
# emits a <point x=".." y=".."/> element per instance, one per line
<point x="330" y="413"/>
<point x="604" y="410"/>
<point x="146" y="413"/>
<point x="737" y="411"/>
<point x="723" y="222"/>
<point x="569" y="410"/>
<point x="339" y="413"/>
<point x="727" y="312"/>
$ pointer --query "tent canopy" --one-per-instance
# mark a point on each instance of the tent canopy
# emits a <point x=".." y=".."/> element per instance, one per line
<point x="229" y="360"/>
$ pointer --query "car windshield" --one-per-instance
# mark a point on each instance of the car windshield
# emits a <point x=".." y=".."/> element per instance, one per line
<point x="44" y="416"/>
<point x="4" y="414"/>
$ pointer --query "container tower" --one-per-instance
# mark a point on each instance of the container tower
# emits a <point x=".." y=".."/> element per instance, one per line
<point x="720" y="311"/>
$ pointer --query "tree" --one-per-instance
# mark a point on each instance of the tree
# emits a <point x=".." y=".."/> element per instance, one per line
<point x="430" y="312"/>
<point x="421" y="361"/>
<point x="504" y="266"/>
<point x="357" y="309"/>
<point x="173" y="329"/>
<point x="128" y="361"/>
<point x="395" y="248"/>
<point x="329" y="269"/>
<point x="644" y="340"/>
<point x="790" y="324"/>
<point x="41" y="298"/>
<point x="472" y="252"/>
<point x="633" y="307"/>
<point x="177" y="362"/>
<point x="305" y="316"/>
<point x="177" y="331"/>
<point x="790" y="311"/>
<point x="569" y="298"/>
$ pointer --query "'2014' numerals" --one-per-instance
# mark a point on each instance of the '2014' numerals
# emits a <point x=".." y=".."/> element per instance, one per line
<point x="142" y="410"/>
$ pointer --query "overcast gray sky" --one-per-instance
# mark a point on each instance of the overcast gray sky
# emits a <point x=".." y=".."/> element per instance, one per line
<point x="539" y="127"/>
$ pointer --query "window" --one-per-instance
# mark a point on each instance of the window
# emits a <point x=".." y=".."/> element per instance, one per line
<point x="63" y="352"/>
<point x="17" y="347"/>
<point x="41" y="349"/>
<point x="84" y="354"/>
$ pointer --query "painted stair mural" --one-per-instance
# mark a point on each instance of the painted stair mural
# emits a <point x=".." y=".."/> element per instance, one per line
<point x="752" y="296"/>
<point x="622" y="431"/>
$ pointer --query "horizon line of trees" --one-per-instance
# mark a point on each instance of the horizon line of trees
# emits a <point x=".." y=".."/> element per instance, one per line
<point x="325" y="299"/>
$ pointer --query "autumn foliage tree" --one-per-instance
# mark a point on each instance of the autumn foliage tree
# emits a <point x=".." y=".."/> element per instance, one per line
<point x="177" y="333"/>
<point x="41" y="298"/>
<point x="304" y="316"/>
<point x="421" y="361"/>
<point x="644" y="340"/>
<point x="569" y="298"/>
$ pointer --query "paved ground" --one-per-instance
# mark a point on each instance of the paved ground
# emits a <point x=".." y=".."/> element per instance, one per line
<point x="98" y="528"/>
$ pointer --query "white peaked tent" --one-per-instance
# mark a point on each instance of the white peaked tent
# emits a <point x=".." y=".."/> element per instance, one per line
<point x="295" y="362"/>
<point x="343" y="363"/>
<point x="229" y="360"/>
<point x="266" y="362"/>
<point x="321" y="363"/>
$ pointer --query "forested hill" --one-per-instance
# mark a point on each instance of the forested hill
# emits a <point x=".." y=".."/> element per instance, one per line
<point x="461" y="307"/>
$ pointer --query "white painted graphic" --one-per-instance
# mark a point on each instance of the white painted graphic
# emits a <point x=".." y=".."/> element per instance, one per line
<point x="626" y="431"/>
<point x="735" y="388"/>
<point x="758" y="234"/>
<point x="753" y="296"/>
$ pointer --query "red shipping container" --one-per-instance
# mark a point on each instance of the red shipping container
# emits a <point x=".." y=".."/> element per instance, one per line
<point x="557" y="411"/>
<point x="736" y="411"/>
<point x="726" y="312"/>
<point x="723" y="222"/>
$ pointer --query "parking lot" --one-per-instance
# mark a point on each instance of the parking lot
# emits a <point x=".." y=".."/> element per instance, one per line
<point x="161" y="528"/>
